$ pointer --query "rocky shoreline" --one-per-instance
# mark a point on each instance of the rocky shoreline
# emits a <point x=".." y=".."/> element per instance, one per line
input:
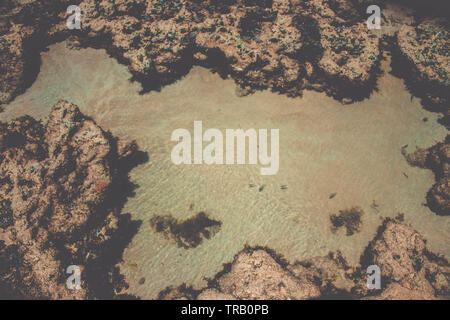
<point x="63" y="186"/>
<point x="437" y="159"/>
<point x="60" y="202"/>
<point x="408" y="271"/>
<point x="285" y="46"/>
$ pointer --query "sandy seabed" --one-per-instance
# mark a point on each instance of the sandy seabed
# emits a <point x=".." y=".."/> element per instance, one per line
<point x="353" y="151"/>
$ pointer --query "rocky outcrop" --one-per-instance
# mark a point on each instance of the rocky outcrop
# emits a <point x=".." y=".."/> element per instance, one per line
<point x="285" y="45"/>
<point x="24" y="33"/>
<point x="255" y="274"/>
<point x="421" y="56"/>
<point x="436" y="158"/>
<point x="408" y="271"/>
<point x="60" y="206"/>
<point x="407" y="267"/>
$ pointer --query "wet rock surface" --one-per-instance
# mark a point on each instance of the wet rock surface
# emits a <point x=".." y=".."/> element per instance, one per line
<point x="408" y="271"/>
<point x="59" y="201"/>
<point x="61" y="206"/>
<point x="287" y="46"/>
<point x="405" y="262"/>
<point x="421" y="56"/>
<point x="436" y="158"/>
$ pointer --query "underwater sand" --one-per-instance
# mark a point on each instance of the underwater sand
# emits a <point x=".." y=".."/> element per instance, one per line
<point x="325" y="148"/>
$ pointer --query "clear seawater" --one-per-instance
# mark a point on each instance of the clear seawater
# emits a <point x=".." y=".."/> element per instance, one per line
<point x="325" y="148"/>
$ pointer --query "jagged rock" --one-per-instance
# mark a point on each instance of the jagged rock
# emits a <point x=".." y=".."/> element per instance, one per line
<point x="436" y="158"/>
<point x="256" y="275"/>
<point x="404" y="260"/>
<point x="55" y="211"/>
<point x="408" y="271"/>
<point x="212" y="294"/>
<point x="284" y="45"/>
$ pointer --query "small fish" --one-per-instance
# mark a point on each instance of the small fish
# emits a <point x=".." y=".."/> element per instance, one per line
<point x="374" y="206"/>
<point x="405" y="175"/>
<point x="405" y="146"/>
<point x="283" y="187"/>
<point x="251" y="185"/>
<point x="261" y="188"/>
<point x="132" y="265"/>
<point x="332" y="195"/>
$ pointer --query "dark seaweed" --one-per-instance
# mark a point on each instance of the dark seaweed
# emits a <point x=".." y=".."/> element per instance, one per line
<point x="188" y="233"/>
<point x="350" y="219"/>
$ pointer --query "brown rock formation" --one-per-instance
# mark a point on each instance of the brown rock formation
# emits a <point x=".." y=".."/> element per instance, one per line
<point x="406" y="264"/>
<point x="60" y="206"/>
<point x="24" y="33"/>
<point x="436" y="158"/>
<point x="285" y="45"/>
<point x="421" y="56"/>
<point x="255" y="274"/>
<point x="408" y="271"/>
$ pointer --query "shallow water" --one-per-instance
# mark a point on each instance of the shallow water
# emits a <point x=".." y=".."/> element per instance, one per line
<point x="325" y="148"/>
